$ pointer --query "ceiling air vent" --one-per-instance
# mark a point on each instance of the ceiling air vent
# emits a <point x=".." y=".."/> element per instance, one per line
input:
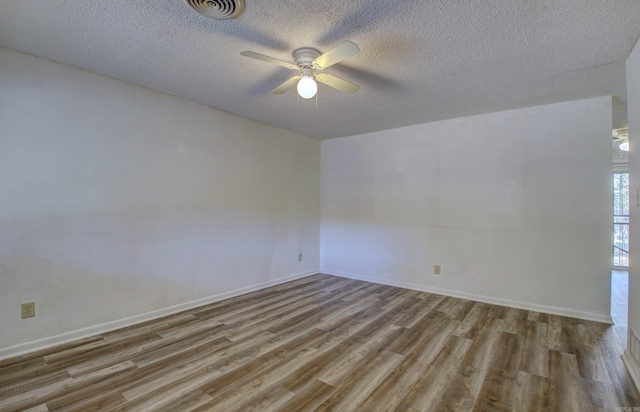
<point x="217" y="9"/>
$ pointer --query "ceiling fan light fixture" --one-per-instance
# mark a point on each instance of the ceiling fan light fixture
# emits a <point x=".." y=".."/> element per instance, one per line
<point x="307" y="62"/>
<point x="624" y="146"/>
<point x="307" y="87"/>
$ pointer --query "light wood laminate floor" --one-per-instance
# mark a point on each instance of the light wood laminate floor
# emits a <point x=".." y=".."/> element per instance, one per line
<point x="331" y="344"/>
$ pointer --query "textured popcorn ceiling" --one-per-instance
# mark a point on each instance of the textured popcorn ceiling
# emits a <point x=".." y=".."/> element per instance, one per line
<point x="421" y="60"/>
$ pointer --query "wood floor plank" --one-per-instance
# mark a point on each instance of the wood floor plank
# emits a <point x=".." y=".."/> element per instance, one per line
<point x="591" y="364"/>
<point x="180" y="385"/>
<point x="498" y="312"/>
<point x="308" y="398"/>
<point x="484" y="347"/>
<point x="335" y="365"/>
<point x="150" y="327"/>
<point x="476" y="316"/>
<point x="507" y="356"/>
<point x="259" y="313"/>
<point x="37" y="381"/>
<point x="515" y="321"/>
<point x="362" y="382"/>
<point x="489" y="405"/>
<point x="477" y="325"/>
<point x="188" y="403"/>
<point x="461" y="309"/>
<point x="535" y="354"/>
<point x="623" y="384"/>
<point x="391" y="392"/>
<point x="88" y="401"/>
<point x="250" y="302"/>
<point x="531" y="393"/>
<point x="538" y="317"/>
<point x="36" y="357"/>
<point x="462" y="392"/>
<point x="171" y="379"/>
<point x="562" y="334"/>
<point x="249" y="370"/>
<point x="410" y="338"/>
<point x="359" y="359"/>
<point x="153" y="355"/>
<point x="261" y="384"/>
<point x="329" y="343"/>
<point x="30" y="368"/>
<point x="500" y="380"/>
<point x="400" y="408"/>
<point x="429" y="390"/>
<point x="267" y="401"/>
<point x="40" y="408"/>
<point x="154" y="371"/>
<point x="447" y="304"/>
<point x="565" y="389"/>
<point x="602" y="395"/>
<point x="132" y="351"/>
<point x="45" y="393"/>
<point x="425" y="307"/>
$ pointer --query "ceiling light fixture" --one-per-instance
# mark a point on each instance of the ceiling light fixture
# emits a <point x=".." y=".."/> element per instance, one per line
<point x="307" y="87"/>
<point x="624" y="146"/>
<point x="311" y="64"/>
<point x="622" y="135"/>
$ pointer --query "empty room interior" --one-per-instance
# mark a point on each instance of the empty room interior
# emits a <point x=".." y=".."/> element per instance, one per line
<point x="236" y="205"/>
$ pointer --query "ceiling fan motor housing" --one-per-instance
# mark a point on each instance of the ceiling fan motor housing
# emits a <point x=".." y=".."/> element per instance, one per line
<point x="305" y="56"/>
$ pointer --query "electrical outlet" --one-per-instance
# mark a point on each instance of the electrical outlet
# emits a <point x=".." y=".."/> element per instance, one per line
<point x="299" y="257"/>
<point x="436" y="269"/>
<point x="28" y="310"/>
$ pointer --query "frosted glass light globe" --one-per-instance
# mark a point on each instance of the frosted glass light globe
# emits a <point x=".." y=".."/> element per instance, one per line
<point x="624" y="146"/>
<point x="307" y="87"/>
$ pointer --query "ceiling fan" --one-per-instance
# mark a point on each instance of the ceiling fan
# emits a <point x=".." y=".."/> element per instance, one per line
<point x="310" y="64"/>
<point x="622" y="136"/>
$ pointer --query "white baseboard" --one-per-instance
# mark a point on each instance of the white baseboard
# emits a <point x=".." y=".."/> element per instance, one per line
<point x="633" y="367"/>
<point x="48" y="342"/>
<point x="479" y="298"/>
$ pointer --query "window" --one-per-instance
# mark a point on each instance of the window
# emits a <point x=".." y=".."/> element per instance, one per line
<point x="621" y="220"/>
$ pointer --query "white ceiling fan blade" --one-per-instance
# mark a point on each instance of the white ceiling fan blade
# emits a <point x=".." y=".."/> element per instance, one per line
<point x="337" y="54"/>
<point x="337" y="83"/>
<point x="268" y="59"/>
<point x="287" y="85"/>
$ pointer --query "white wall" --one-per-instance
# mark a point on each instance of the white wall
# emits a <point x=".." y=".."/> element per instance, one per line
<point x="515" y="206"/>
<point x="117" y="201"/>
<point x="633" y="109"/>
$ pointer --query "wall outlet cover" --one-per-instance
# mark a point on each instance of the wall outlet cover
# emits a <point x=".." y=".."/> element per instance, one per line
<point x="28" y="310"/>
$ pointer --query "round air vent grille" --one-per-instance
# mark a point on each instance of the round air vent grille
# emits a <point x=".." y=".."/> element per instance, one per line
<point x="217" y="9"/>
